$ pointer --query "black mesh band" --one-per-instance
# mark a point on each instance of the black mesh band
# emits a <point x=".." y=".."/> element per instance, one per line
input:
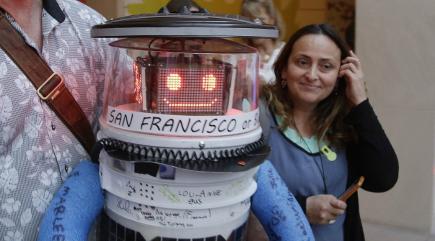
<point x="234" y="160"/>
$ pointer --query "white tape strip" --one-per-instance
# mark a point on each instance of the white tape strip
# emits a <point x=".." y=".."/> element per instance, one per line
<point x="195" y="144"/>
<point x="175" y="218"/>
<point x="153" y="191"/>
<point x="236" y="122"/>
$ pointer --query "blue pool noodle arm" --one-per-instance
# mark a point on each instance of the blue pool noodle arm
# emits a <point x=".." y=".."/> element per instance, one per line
<point x="277" y="209"/>
<point x="74" y="207"/>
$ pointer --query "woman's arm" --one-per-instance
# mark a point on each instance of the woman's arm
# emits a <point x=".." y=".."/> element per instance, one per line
<point x="372" y="155"/>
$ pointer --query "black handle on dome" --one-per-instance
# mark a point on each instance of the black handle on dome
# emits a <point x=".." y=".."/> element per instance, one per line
<point x="183" y="19"/>
<point x="182" y="7"/>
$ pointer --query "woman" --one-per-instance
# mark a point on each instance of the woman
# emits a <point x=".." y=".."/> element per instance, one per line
<point x="323" y="131"/>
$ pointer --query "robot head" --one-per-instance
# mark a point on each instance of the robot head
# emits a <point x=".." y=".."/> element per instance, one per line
<point x="188" y="77"/>
<point x="195" y="97"/>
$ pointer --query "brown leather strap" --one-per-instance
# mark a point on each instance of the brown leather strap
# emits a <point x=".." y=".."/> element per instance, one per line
<point x="256" y="230"/>
<point x="50" y="86"/>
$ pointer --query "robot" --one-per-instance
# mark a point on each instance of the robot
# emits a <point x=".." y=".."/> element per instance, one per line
<point x="180" y="145"/>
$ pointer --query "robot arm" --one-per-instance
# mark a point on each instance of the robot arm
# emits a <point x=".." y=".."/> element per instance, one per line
<point x="74" y="207"/>
<point x="277" y="208"/>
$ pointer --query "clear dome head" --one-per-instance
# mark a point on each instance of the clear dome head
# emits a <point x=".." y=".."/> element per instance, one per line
<point x="187" y="77"/>
<point x="201" y="93"/>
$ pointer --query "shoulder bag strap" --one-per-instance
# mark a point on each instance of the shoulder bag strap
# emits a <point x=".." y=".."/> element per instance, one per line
<point x="49" y="86"/>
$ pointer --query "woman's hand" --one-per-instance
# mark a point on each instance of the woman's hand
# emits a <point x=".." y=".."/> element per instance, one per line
<point x="352" y="72"/>
<point x="324" y="209"/>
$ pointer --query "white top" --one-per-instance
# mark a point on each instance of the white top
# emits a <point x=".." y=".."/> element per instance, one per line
<point x="266" y="69"/>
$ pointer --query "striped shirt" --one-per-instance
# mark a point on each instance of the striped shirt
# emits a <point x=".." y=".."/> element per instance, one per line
<point x="37" y="151"/>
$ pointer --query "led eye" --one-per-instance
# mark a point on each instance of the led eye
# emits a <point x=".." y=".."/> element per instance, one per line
<point x="173" y="82"/>
<point x="209" y="82"/>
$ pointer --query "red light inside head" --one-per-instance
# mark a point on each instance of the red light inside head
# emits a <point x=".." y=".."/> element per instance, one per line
<point x="190" y="90"/>
<point x="209" y="82"/>
<point x="173" y="81"/>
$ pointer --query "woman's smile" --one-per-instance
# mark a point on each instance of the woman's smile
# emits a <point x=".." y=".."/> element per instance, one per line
<point x="309" y="86"/>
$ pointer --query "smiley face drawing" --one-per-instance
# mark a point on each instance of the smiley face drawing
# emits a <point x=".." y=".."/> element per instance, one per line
<point x="191" y="90"/>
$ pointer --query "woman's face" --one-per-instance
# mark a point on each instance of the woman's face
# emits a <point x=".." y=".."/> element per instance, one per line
<point x="312" y="70"/>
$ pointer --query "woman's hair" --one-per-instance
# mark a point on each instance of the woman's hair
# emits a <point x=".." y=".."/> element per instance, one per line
<point x="329" y="114"/>
<point x="252" y="8"/>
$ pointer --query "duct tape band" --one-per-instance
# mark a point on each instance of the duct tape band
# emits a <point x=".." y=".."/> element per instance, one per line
<point x="178" y="218"/>
<point x="169" y="194"/>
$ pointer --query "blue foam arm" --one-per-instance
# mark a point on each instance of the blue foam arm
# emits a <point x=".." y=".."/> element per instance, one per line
<point x="277" y="208"/>
<point x="74" y="207"/>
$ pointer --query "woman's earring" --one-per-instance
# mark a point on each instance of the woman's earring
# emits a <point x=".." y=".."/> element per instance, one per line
<point x="283" y="83"/>
<point x="336" y="91"/>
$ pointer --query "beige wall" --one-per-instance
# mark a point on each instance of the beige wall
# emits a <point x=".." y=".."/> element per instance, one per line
<point x="310" y="11"/>
<point x="108" y="8"/>
<point x="395" y="40"/>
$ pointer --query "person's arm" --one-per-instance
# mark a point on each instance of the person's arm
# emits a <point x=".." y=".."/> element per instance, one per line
<point x="372" y="156"/>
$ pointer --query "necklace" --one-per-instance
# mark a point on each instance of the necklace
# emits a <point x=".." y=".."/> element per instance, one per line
<point x="318" y="163"/>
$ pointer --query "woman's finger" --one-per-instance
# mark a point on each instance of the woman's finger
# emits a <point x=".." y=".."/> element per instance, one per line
<point x="345" y="72"/>
<point x="337" y="203"/>
<point x="352" y="54"/>
<point x="352" y="60"/>
<point x="349" y="66"/>
<point x="336" y="211"/>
